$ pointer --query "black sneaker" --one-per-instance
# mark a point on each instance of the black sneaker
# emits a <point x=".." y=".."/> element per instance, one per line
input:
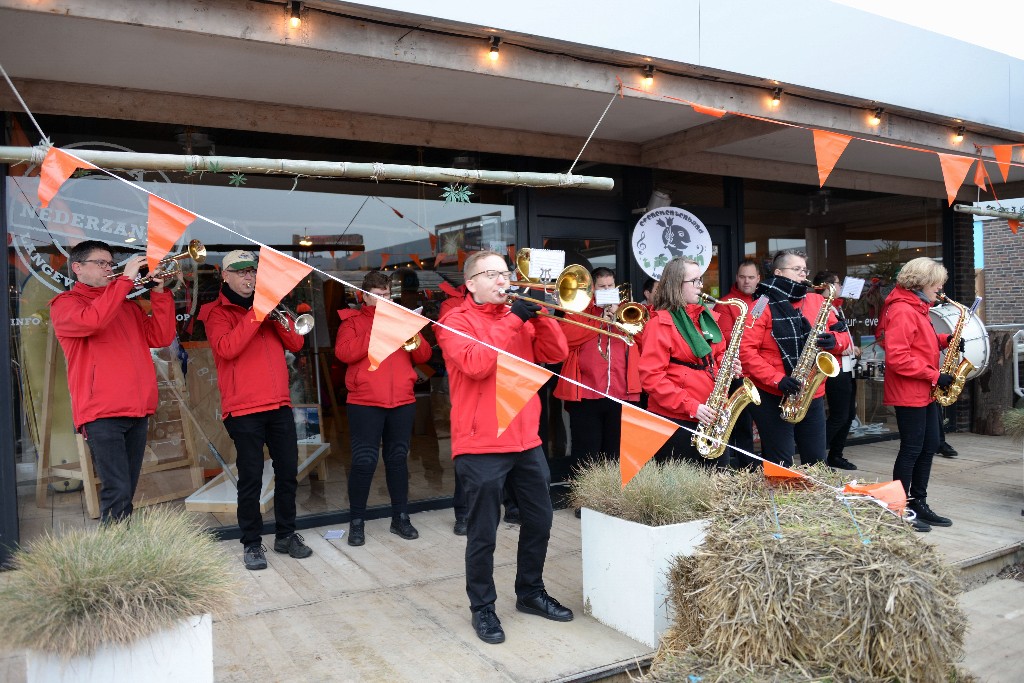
<point x="543" y="605"/>
<point x="356" y="532"/>
<point x="292" y="545"/>
<point x="461" y="527"/>
<point x="918" y="525"/>
<point x="254" y="557"/>
<point x="401" y="525"/>
<point x="487" y="626"/>
<point x="840" y="463"/>
<point x="946" y="451"/>
<point x="927" y="515"/>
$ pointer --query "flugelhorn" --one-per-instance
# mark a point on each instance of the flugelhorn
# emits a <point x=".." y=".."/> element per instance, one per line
<point x="412" y="344"/>
<point x="287" y="318"/>
<point x="631" y="316"/>
<point x="168" y="266"/>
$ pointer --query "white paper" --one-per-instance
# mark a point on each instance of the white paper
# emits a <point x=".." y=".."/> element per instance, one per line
<point x="332" y="534"/>
<point x="546" y="264"/>
<point x="606" y="297"/>
<point x="852" y="287"/>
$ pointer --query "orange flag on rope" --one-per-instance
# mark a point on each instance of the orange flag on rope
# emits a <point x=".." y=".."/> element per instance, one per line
<point x="1014" y="226"/>
<point x="979" y="176"/>
<point x="384" y="258"/>
<point x="954" y="170"/>
<point x="710" y="111"/>
<point x="889" y="492"/>
<point x="167" y="223"/>
<point x="276" y="275"/>
<point x="828" y="147"/>
<point x="58" y="166"/>
<point x="779" y="472"/>
<point x="433" y="242"/>
<point x="1004" y="154"/>
<point x="516" y="383"/>
<point x="642" y="434"/>
<point x="462" y="258"/>
<point x="439" y="259"/>
<point x="393" y="325"/>
<point x="416" y="259"/>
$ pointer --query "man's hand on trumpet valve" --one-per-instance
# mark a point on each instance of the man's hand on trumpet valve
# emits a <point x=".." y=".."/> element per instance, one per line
<point x="133" y="266"/>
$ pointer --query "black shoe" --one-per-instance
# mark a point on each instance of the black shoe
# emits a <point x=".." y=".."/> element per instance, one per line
<point x="512" y="515"/>
<point x="578" y="512"/>
<point x="294" y="545"/>
<point x="927" y="515"/>
<point x="401" y="525"/>
<point x="254" y="557"/>
<point x="356" y="532"/>
<point x="487" y="626"/>
<point x="543" y="605"/>
<point x="917" y="524"/>
<point x="461" y="528"/>
<point x="840" y="463"/>
<point x="947" y="451"/>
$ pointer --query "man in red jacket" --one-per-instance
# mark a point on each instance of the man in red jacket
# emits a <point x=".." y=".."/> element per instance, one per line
<point x="483" y="458"/>
<point x="255" y="404"/>
<point x="106" y="340"/>
<point x="771" y="348"/>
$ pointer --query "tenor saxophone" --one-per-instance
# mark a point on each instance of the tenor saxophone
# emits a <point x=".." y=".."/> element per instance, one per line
<point x="948" y="395"/>
<point x="812" y="367"/>
<point x="710" y="439"/>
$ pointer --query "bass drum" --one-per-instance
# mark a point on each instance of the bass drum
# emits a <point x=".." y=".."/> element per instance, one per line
<point x="976" y="348"/>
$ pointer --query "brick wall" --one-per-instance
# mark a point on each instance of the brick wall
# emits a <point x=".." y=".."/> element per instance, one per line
<point x="1003" y="274"/>
<point x="960" y="287"/>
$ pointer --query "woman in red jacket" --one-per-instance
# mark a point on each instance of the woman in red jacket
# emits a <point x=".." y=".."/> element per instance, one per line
<point x="911" y="372"/>
<point x="682" y="348"/>
<point x="381" y="406"/>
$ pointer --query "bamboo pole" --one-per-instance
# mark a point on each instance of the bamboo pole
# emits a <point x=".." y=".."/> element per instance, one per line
<point x="994" y="213"/>
<point x="331" y="169"/>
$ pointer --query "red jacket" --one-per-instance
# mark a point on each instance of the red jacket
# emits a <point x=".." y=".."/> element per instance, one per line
<point x="759" y="352"/>
<point x="675" y="390"/>
<point x="618" y="376"/>
<point x="728" y="314"/>
<point x="911" y="349"/>
<point x="106" y="340"/>
<point x="249" y="355"/>
<point x="391" y="384"/>
<point x="472" y="369"/>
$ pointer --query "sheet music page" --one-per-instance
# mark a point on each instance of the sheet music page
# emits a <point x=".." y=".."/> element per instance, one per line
<point x="546" y="264"/>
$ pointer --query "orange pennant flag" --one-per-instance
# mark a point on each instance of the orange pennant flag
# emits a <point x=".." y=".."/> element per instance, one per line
<point x="1004" y="155"/>
<point x="642" y="434"/>
<point x="384" y="259"/>
<point x="167" y="223"/>
<point x="889" y="492"/>
<point x="1014" y="225"/>
<point x="828" y="147"/>
<point x="954" y="170"/>
<point x="354" y="255"/>
<point x="393" y="325"/>
<point x="58" y="166"/>
<point x="439" y="259"/>
<point x="416" y="259"/>
<point x="516" y="383"/>
<point x="433" y="243"/>
<point x="276" y="275"/>
<point x="462" y="258"/>
<point x="779" y="472"/>
<point x="979" y="175"/>
<point x="710" y="111"/>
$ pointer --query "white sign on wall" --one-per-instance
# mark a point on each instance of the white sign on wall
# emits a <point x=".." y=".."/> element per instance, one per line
<point x="663" y="234"/>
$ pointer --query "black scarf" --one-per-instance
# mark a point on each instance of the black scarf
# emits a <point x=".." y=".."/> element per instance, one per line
<point x="236" y="298"/>
<point x="789" y="326"/>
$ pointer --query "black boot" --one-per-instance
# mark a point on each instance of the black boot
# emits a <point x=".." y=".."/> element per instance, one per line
<point x="401" y="525"/>
<point x="356" y="532"/>
<point x="927" y="515"/>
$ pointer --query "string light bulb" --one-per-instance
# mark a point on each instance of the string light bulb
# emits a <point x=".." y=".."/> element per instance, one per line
<point x="776" y="96"/>
<point x="306" y="240"/>
<point x="876" y="118"/>
<point x="959" y="137"/>
<point x="494" y="53"/>
<point x="648" y="76"/>
<point x="295" y="14"/>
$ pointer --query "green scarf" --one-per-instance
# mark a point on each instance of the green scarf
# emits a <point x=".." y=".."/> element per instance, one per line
<point x="697" y="340"/>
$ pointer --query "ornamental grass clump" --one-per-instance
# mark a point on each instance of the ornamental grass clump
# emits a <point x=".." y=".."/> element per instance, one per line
<point x="792" y="584"/>
<point x="659" y="494"/>
<point x="1013" y="423"/>
<point x="109" y="586"/>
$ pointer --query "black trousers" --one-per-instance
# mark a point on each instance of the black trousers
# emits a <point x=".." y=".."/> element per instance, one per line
<point x="117" y="445"/>
<point x="919" y="440"/>
<point x="596" y="425"/>
<point x="781" y="440"/>
<point x="274" y="429"/>
<point x="680" y="447"/>
<point x="369" y="426"/>
<point x="742" y="434"/>
<point x="841" y="395"/>
<point x="483" y="478"/>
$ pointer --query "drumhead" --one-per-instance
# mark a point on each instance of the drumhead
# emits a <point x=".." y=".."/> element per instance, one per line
<point x="976" y="346"/>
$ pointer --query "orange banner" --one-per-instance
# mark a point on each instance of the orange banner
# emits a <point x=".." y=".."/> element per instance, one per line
<point x="516" y="383"/>
<point x="954" y="170"/>
<point x="393" y="325"/>
<point x="642" y="435"/>
<point x="889" y="492"/>
<point x="1014" y="225"/>
<point x="779" y="472"/>
<point x="979" y="176"/>
<point x="276" y="275"/>
<point x="828" y="147"/>
<point x="1004" y="155"/>
<point x="58" y="166"/>
<point x="167" y="223"/>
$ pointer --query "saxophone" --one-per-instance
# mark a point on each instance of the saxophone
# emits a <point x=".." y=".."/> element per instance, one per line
<point x="710" y="439"/>
<point x="948" y="395"/>
<point x="813" y="366"/>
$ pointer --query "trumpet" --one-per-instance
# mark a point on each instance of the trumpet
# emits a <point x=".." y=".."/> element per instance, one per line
<point x="412" y="344"/>
<point x="631" y="316"/>
<point x="287" y="318"/>
<point x="169" y="266"/>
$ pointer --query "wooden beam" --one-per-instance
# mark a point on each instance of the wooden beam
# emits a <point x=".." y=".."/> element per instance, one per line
<point x="704" y="138"/>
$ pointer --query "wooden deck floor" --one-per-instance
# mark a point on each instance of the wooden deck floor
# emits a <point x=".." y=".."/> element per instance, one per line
<point x="396" y="610"/>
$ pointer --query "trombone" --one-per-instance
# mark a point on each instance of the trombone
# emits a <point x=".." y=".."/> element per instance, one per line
<point x="169" y="266"/>
<point x="286" y="318"/>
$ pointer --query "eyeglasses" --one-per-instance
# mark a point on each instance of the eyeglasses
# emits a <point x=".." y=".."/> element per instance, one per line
<point x="493" y="274"/>
<point x="246" y="272"/>
<point x="797" y="269"/>
<point x="101" y="263"/>
<point x="697" y="281"/>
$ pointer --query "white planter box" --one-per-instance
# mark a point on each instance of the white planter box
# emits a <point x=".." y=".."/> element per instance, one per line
<point x="179" y="654"/>
<point x="625" y="567"/>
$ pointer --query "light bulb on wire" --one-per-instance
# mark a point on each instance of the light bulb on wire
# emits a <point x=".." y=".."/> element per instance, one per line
<point x="295" y="14"/>
<point x="648" y="76"/>
<point x="494" y="54"/>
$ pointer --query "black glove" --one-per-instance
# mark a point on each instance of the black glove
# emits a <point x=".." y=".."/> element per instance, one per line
<point x="962" y="345"/>
<point x="788" y="385"/>
<point x="525" y="309"/>
<point x="945" y="379"/>
<point x="840" y="326"/>
<point x="826" y="341"/>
